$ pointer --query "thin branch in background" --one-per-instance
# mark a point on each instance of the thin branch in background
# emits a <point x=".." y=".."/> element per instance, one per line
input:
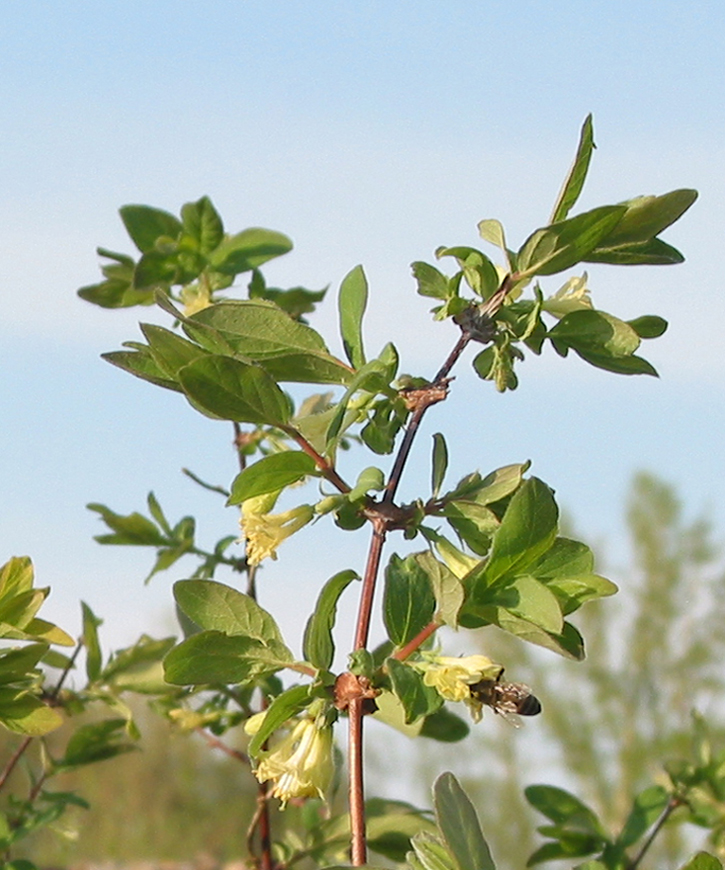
<point x="51" y="697"/>
<point x="216" y="743"/>
<point x="210" y="486"/>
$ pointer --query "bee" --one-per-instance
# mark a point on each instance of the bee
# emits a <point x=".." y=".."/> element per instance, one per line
<point x="509" y="700"/>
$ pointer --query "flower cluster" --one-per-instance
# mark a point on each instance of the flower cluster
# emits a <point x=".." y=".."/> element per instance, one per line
<point x="301" y="764"/>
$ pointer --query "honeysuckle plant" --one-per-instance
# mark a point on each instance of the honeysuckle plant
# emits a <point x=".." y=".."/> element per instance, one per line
<point x="488" y="549"/>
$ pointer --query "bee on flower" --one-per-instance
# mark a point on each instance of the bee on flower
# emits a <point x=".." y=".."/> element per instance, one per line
<point x="452" y="677"/>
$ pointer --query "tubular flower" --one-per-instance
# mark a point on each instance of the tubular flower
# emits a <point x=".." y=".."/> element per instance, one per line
<point x="301" y="765"/>
<point x="264" y="532"/>
<point x="453" y="677"/>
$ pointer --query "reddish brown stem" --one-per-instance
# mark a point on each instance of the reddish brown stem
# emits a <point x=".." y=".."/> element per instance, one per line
<point x="356" y="794"/>
<point x="14" y="759"/>
<point x="402" y="654"/>
<point x="328" y="471"/>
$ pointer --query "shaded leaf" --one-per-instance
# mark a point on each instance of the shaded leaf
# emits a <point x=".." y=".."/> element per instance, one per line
<point x="284" y="707"/>
<point x="417" y="699"/>
<point x="212" y="605"/>
<point x="408" y="603"/>
<point x="352" y="303"/>
<point x="576" y="177"/>
<point x="459" y="825"/>
<point x="248" y="250"/>
<point x="232" y="390"/>
<point x="202" y="222"/>
<point x="211" y="657"/>
<point x="271" y="474"/>
<point x="146" y="224"/>
<point x="318" y="645"/>
<point x="562" y="245"/>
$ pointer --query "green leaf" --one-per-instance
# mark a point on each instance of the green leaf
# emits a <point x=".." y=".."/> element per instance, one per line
<point x="19" y="665"/>
<point x="648" y="806"/>
<point x="375" y="376"/>
<point x="628" y="365"/>
<point x="647" y="216"/>
<point x="116" y="293"/>
<point x="444" y="726"/>
<point x="202" y="222"/>
<point x="562" y="245"/>
<point x="480" y="273"/>
<point x="91" y="623"/>
<point x="271" y="474"/>
<point x="96" y="742"/>
<point x="145" y="225"/>
<point x="248" y="250"/>
<point x="649" y="326"/>
<point x="233" y="390"/>
<point x="439" y="463"/>
<point x="170" y="351"/>
<point x="141" y="364"/>
<point x="133" y="529"/>
<point x="417" y="699"/>
<point x="702" y="861"/>
<point x="138" y="668"/>
<point x="473" y="522"/>
<point x="284" y="707"/>
<point x="459" y="825"/>
<point x="531" y="600"/>
<point x="20" y="610"/>
<point x="527" y="530"/>
<point x="562" y="807"/>
<point x="408" y="603"/>
<point x="431" y="281"/>
<point x="352" y="302"/>
<point x="447" y="588"/>
<point x="214" y="606"/>
<point x="568" y="845"/>
<point x="260" y="331"/>
<point x="595" y="332"/>
<point x="211" y="657"/>
<point x="430" y="854"/>
<point x="370" y="478"/>
<point x="26" y="714"/>
<point x="574" y="181"/>
<point x="318" y="645"/>
<point x="16" y="576"/>
<point x="653" y="252"/>
<point x="491" y="230"/>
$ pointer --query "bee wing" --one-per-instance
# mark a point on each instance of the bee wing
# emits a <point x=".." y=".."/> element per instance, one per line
<point x="509" y="716"/>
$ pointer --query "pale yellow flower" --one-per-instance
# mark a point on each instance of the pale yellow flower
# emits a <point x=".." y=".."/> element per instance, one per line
<point x="301" y="765"/>
<point x="264" y="532"/>
<point x="452" y="677"/>
<point x="572" y="296"/>
<point x="195" y="297"/>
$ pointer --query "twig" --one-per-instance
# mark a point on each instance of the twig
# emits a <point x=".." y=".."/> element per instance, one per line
<point x="210" y="486"/>
<point x="405" y="651"/>
<point x="216" y="743"/>
<point x="327" y="470"/>
<point x="673" y="804"/>
<point x="14" y="759"/>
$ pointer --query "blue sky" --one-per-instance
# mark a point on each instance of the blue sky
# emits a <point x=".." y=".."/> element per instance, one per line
<point x="369" y="132"/>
